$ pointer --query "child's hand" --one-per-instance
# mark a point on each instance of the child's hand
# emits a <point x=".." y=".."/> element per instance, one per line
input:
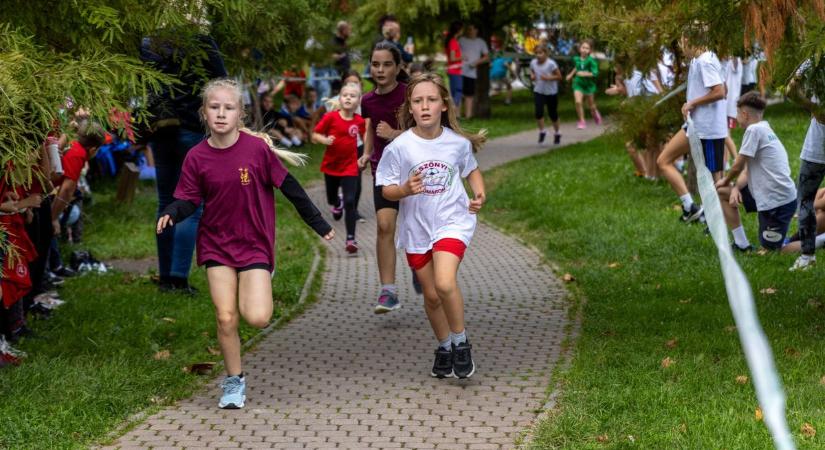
<point x="735" y="196"/>
<point x="722" y="183"/>
<point x="532" y="76"/>
<point x="384" y="130"/>
<point x="163" y="222"/>
<point x="477" y="203"/>
<point x="414" y="185"/>
<point x="570" y="77"/>
<point x="329" y="236"/>
<point x="328" y="140"/>
<point x="363" y="161"/>
<point x="56" y="227"/>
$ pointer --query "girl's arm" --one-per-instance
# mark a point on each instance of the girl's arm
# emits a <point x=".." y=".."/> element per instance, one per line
<point x="477" y="185"/>
<point x="174" y="213"/>
<point x="571" y="74"/>
<point x="369" y="137"/>
<point x="319" y="138"/>
<point x="555" y="76"/>
<point x="413" y="185"/>
<point x="296" y="195"/>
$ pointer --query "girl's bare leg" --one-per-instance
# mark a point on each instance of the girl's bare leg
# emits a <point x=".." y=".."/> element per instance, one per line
<point x="223" y="285"/>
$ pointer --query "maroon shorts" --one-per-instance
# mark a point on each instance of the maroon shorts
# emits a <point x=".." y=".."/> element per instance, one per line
<point x="418" y="260"/>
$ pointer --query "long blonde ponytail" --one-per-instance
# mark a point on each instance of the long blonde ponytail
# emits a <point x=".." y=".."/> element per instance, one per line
<point x="294" y="158"/>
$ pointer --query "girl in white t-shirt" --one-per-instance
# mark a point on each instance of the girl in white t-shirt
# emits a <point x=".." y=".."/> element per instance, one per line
<point x="423" y="170"/>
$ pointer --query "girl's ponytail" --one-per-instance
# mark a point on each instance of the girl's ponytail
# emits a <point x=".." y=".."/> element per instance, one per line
<point x="294" y="158"/>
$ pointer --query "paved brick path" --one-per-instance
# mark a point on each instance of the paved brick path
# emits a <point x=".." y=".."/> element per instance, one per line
<point x="339" y="376"/>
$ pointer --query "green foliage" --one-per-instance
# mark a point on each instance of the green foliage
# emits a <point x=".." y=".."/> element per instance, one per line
<point x="637" y="120"/>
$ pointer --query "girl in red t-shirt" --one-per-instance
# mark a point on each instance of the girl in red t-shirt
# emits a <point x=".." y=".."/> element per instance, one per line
<point x="233" y="172"/>
<point x="453" y="52"/>
<point x="339" y="131"/>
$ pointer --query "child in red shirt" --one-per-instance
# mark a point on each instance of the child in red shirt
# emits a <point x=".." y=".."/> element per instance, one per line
<point x="339" y="131"/>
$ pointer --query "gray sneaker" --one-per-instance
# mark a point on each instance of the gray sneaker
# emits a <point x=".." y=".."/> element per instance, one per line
<point x="387" y="301"/>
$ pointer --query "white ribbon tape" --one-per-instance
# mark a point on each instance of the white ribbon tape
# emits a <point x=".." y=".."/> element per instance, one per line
<point x="758" y="353"/>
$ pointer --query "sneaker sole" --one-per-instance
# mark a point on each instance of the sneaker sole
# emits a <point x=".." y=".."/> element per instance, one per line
<point x="469" y="374"/>
<point x="449" y="375"/>
<point x="232" y="405"/>
<point x="381" y="309"/>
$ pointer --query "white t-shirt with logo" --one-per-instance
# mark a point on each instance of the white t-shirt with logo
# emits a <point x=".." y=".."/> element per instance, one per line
<point x="813" y="149"/>
<point x="471" y="51"/>
<point x="540" y="86"/>
<point x="443" y="209"/>
<point x="710" y="120"/>
<point x="769" y="175"/>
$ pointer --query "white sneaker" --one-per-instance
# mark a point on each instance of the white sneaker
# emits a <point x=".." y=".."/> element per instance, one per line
<point x="804" y="262"/>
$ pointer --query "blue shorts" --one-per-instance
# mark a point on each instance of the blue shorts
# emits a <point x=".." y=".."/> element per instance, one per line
<point x="714" y="153"/>
<point x="773" y="223"/>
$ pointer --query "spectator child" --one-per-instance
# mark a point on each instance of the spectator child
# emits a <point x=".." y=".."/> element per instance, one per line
<point x="339" y="131"/>
<point x="584" y="73"/>
<point x="233" y="172"/>
<point x="545" y="74"/>
<point x="763" y="179"/>
<point x="453" y="51"/>
<point x="474" y="52"/>
<point x="277" y="126"/>
<point x="423" y="170"/>
<point x="500" y="77"/>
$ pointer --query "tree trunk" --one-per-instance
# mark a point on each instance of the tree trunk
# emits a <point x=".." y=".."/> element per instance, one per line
<point x="486" y="26"/>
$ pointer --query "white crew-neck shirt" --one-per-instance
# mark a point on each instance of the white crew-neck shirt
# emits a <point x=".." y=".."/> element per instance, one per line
<point x="769" y="175"/>
<point x="710" y="120"/>
<point x="443" y="209"/>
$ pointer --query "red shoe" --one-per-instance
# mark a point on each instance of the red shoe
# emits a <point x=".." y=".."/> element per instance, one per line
<point x="352" y="246"/>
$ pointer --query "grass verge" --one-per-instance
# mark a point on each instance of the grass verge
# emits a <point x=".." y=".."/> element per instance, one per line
<point x="657" y="361"/>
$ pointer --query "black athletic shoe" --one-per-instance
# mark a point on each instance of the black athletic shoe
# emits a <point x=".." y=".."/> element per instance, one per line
<point x="417" y="284"/>
<point x="556" y="139"/>
<point x="744" y="250"/>
<point x="463" y="365"/>
<point x="692" y="214"/>
<point x="443" y="365"/>
<point x="65" y="272"/>
<point x="542" y="135"/>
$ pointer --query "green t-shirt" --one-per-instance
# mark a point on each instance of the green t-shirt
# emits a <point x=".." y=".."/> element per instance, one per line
<point x="586" y="85"/>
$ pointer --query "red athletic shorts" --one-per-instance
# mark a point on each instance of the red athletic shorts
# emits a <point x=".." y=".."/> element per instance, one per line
<point x="454" y="246"/>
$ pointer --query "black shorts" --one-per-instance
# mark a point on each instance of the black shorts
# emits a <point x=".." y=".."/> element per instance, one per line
<point x="212" y="263"/>
<point x="773" y="223"/>
<point x="552" y="102"/>
<point x="714" y="153"/>
<point x="380" y="201"/>
<point x="468" y="86"/>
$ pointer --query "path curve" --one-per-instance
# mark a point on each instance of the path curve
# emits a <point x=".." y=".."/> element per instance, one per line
<point x="339" y="376"/>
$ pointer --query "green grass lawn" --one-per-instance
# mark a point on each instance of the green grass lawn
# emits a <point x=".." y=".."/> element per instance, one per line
<point x="650" y="288"/>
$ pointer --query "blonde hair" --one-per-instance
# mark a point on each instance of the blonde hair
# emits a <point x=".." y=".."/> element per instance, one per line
<point x="334" y="104"/>
<point x="449" y="117"/>
<point x="296" y="159"/>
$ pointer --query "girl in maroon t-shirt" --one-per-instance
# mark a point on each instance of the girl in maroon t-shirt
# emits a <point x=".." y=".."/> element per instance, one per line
<point x="380" y="108"/>
<point x="339" y="131"/>
<point x="233" y="172"/>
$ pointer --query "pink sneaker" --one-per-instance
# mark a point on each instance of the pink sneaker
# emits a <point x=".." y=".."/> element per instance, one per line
<point x="597" y="117"/>
<point x="352" y="246"/>
<point x="581" y="125"/>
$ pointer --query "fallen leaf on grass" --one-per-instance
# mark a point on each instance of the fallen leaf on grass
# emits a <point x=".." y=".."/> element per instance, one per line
<point x="822" y="380"/>
<point x="676" y="207"/>
<point x="158" y="400"/>
<point x="602" y="438"/>
<point x="631" y="438"/>
<point x="758" y="414"/>
<point x="168" y="319"/>
<point x="667" y="362"/>
<point x="162" y="355"/>
<point x="683" y="428"/>
<point x="659" y="286"/>
<point x="672" y="343"/>
<point x="762" y="251"/>
<point x="808" y="430"/>
<point x="792" y="352"/>
<point x="203" y="368"/>
<point x="742" y="379"/>
<point x="213" y="351"/>
<point x="767" y="291"/>
<point x="730" y="328"/>
<point x="568" y="278"/>
<point x="613" y="265"/>
<point x="814" y="303"/>
<point x="686" y="301"/>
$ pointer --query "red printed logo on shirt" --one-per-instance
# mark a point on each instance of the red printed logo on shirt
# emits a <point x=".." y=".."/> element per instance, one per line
<point x="353" y="130"/>
<point x="244" y="176"/>
<point x="438" y="176"/>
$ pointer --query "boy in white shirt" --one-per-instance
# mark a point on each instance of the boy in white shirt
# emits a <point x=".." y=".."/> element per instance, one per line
<point x="763" y="179"/>
<point x="707" y="107"/>
<point x="546" y="75"/>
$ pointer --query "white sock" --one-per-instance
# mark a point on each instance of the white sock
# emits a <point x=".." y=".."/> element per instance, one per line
<point x="820" y="241"/>
<point x="296" y="141"/>
<point x="286" y="142"/>
<point x="739" y="237"/>
<point x="446" y="344"/>
<point x="687" y="201"/>
<point x="390" y="287"/>
<point x="458" y="338"/>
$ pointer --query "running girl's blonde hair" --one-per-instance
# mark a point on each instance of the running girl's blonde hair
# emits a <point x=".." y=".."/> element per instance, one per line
<point x="296" y="159"/>
<point x="449" y="118"/>
<point x="334" y="104"/>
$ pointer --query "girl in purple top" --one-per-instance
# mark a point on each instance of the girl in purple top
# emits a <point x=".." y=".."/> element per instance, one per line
<point x="379" y="108"/>
<point x="233" y="172"/>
